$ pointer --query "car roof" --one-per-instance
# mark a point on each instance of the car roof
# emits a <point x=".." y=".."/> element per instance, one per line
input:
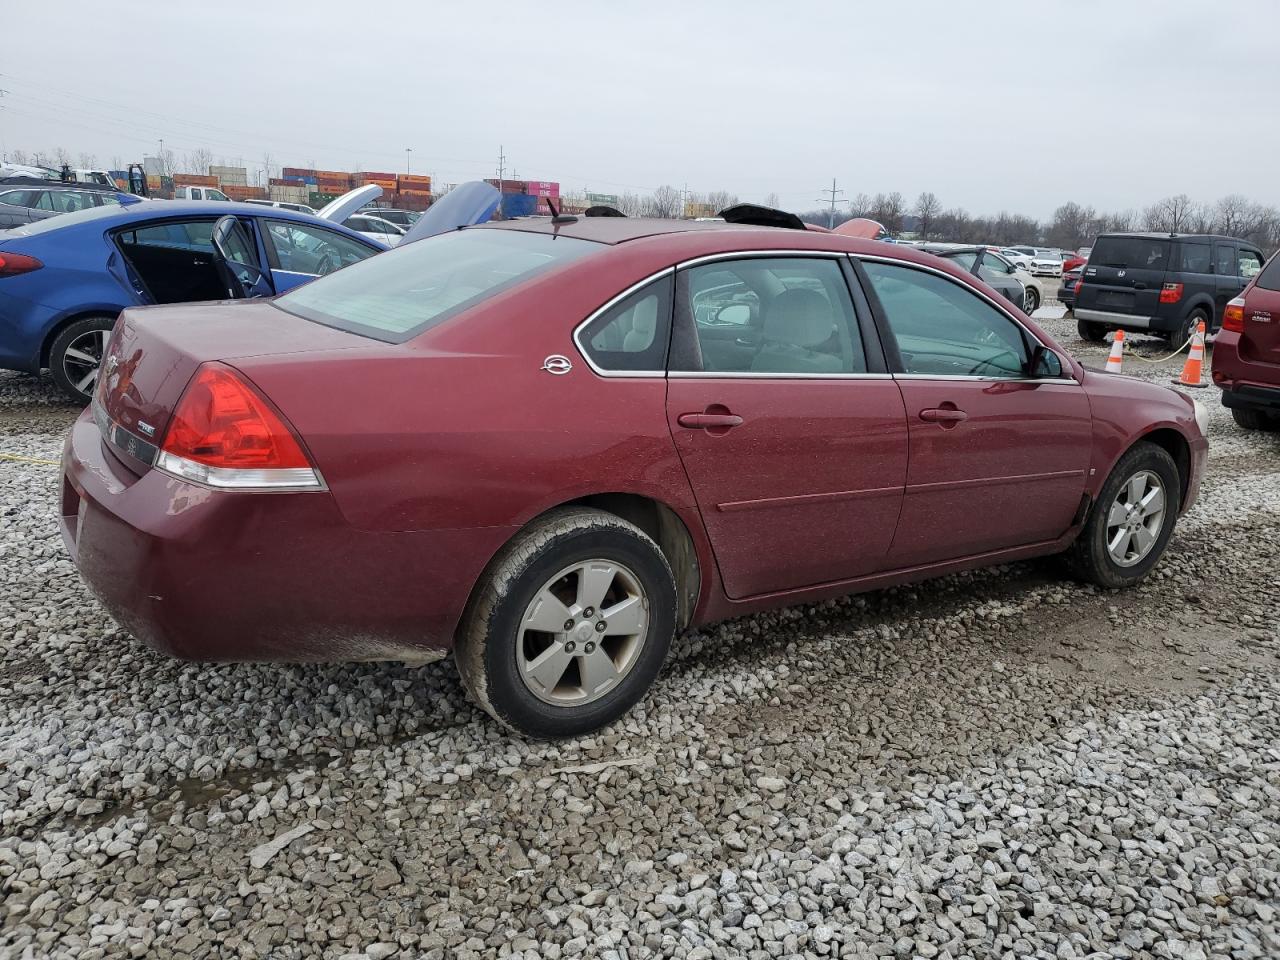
<point x="1164" y="235"/>
<point x="621" y="229"/>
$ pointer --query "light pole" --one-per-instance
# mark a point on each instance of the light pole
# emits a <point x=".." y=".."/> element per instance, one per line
<point x="407" y="151"/>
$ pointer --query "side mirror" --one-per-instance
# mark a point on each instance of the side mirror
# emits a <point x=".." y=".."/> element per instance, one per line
<point x="1044" y="363"/>
<point x="733" y="314"/>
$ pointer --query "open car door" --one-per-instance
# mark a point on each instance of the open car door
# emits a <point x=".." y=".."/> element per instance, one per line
<point x="236" y="259"/>
<point x="463" y="206"/>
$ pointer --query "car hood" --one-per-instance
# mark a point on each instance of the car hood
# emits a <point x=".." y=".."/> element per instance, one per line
<point x="465" y="205"/>
<point x="347" y="204"/>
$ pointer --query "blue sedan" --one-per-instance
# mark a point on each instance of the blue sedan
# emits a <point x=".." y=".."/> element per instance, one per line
<point x="64" y="280"/>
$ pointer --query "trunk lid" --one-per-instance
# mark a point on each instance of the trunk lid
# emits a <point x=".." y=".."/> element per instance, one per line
<point x="1124" y="274"/>
<point x="155" y="351"/>
<point x="1260" y="341"/>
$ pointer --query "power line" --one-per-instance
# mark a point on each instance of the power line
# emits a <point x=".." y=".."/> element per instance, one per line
<point x="831" y="216"/>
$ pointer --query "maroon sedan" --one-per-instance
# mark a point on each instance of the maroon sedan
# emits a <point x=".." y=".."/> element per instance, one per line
<point x="550" y="445"/>
<point x="1246" y="352"/>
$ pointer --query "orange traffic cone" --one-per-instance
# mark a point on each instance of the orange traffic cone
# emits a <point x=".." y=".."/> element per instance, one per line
<point x="1192" y="369"/>
<point x="1117" y="353"/>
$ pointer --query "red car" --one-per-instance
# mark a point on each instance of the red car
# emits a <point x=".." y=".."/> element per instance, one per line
<point x="1246" y="352"/>
<point x="550" y="444"/>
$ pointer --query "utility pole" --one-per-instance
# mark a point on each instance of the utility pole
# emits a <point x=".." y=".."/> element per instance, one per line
<point x="407" y="151"/>
<point x="502" y="166"/>
<point x="831" y="215"/>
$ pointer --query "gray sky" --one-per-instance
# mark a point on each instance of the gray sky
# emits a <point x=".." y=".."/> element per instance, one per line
<point x="993" y="106"/>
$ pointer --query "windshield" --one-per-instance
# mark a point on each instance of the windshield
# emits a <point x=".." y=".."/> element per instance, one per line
<point x="1145" y="253"/>
<point x="397" y="295"/>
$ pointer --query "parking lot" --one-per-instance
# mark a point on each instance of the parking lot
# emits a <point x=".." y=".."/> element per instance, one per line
<point x="999" y="763"/>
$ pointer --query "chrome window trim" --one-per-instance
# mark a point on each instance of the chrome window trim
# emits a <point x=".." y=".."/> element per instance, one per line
<point x="949" y="376"/>
<point x="896" y="261"/>
<point x="608" y="305"/>
<point x="758" y="254"/>
<point x="761" y="375"/>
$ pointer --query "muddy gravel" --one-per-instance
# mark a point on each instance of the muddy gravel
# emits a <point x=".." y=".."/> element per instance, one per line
<point x="996" y="764"/>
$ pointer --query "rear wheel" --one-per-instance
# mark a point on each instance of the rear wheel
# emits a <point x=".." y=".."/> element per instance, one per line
<point x="570" y="625"/>
<point x="1131" y="521"/>
<point x="1250" y="419"/>
<point x="1092" y="332"/>
<point x="1183" y="333"/>
<point x="77" y="354"/>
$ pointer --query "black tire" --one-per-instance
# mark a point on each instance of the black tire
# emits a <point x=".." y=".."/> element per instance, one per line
<point x="68" y="372"/>
<point x="1090" y="331"/>
<point x="1250" y="419"/>
<point x="1088" y="558"/>
<point x="486" y="650"/>
<point x="1180" y="336"/>
<point x="1031" y="301"/>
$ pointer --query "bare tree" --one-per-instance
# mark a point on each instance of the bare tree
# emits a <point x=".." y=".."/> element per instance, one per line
<point x="888" y="209"/>
<point x="1072" y="225"/>
<point x="116" y="163"/>
<point x="1168" y="215"/>
<point x="771" y="200"/>
<point x="665" y="202"/>
<point x="927" y="208"/>
<point x="719" y="200"/>
<point x="198" y="161"/>
<point x="87" y="161"/>
<point x="860" y="206"/>
<point x="20" y="156"/>
<point x="269" y="168"/>
<point x="631" y="204"/>
<point x="61" y="157"/>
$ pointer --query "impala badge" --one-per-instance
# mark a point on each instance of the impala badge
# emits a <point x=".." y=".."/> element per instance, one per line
<point x="147" y="428"/>
<point x="557" y="364"/>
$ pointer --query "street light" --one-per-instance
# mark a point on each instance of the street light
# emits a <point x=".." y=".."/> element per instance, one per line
<point x="407" y="151"/>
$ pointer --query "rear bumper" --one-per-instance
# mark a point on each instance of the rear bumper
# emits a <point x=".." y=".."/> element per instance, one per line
<point x="204" y="574"/>
<point x="1129" y="321"/>
<point x="1254" y="396"/>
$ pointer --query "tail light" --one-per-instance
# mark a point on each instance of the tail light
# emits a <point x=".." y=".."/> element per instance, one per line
<point x="1233" y="316"/>
<point x="13" y="264"/>
<point x="226" y="434"/>
<point x="1171" y="293"/>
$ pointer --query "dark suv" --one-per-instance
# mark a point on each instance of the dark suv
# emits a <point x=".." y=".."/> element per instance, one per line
<point x="1161" y="283"/>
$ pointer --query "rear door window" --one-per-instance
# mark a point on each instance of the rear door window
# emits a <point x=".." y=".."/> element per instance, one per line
<point x="17" y="198"/>
<point x="1133" y="253"/>
<point x="1269" y="278"/>
<point x="397" y="295"/>
<point x="1248" y="263"/>
<point x="183" y="235"/>
<point x="778" y="315"/>
<point x="1194" y="257"/>
<point x="1224" y="259"/>
<point x="944" y="330"/>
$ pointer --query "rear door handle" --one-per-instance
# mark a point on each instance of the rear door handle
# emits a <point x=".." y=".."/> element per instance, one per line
<point x="943" y="416"/>
<point x="709" y="421"/>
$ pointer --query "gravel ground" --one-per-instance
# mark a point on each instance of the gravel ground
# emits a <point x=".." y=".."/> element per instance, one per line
<point x="994" y="764"/>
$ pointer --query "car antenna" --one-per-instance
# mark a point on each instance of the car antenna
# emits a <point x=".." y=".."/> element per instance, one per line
<point x="558" y="217"/>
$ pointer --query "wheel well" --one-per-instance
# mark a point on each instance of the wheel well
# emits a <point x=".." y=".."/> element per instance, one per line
<point x="1174" y="444"/>
<point x="667" y="530"/>
<point x="61" y="325"/>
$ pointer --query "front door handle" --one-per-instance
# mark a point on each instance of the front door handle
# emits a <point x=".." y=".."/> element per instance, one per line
<point x="947" y="417"/>
<point x="709" y="421"/>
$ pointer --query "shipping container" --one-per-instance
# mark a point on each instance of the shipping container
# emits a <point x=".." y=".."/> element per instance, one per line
<point x="194" y="180"/>
<point x="241" y="192"/>
<point x="296" y="172"/>
<point x="318" y="200"/>
<point x="518" y="205"/>
<point x="542" y="188"/>
<point x="413" y="178"/>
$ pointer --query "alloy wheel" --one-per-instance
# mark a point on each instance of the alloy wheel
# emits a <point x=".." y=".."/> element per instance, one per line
<point x="582" y="633"/>
<point x="1135" y="518"/>
<point x="82" y="359"/>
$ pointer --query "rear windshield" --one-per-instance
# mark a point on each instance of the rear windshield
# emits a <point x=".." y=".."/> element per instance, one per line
<point x="397" y="295"/>
<point x="1136" y="253"/>
<point x="1269" y="278"/>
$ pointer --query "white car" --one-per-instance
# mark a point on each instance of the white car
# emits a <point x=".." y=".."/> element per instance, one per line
<point x="199" y="193"/>
<point x="1019" y="259"/>
<point x="284" y="205"/>
<point x="1046" y="263"/>
<point x="375" y="228"/>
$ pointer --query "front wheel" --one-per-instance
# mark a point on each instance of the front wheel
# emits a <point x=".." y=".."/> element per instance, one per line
<point x="76" y="355"/>
<point x="1131" y="521"/>
<point x="1031" y="301"/>
<point x="570" y="625"/>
